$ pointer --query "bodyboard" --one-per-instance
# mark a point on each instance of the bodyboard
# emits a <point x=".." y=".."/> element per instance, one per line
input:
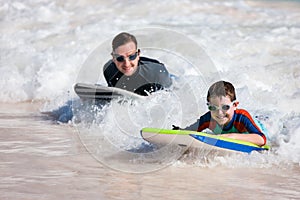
<point x="198" y="140"/>
<point x="98" y="92"/>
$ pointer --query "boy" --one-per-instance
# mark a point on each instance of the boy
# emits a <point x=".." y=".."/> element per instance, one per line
<point x="224" y="117"/>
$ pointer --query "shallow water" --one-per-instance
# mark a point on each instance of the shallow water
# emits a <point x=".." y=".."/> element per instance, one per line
<point x="47" y="46"/>
<point x="42" y="160"/>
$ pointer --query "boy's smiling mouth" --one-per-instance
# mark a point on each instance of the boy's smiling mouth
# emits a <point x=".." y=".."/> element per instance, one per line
<point x="221" y="119"/>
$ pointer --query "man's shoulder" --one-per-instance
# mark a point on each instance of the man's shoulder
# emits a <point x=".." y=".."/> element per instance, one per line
<point x="108" y="64"/>
<point x="154" y="71"/>
<point x="110" y="68"/>
<point x="152" y="65"/>
<point x="149" y="60"/>
<point x="110" y="71"/>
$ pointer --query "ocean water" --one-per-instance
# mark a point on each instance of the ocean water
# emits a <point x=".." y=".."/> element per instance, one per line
<point x="48" y="46"/>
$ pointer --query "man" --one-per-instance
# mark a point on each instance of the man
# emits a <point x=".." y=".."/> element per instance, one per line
<point x="129" y="71"/>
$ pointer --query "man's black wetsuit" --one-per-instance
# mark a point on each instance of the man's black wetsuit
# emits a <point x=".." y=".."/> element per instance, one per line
<point x="151" y="75"/>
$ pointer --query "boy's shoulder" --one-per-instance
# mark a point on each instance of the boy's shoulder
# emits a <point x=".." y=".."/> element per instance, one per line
<point x="240" y="110"/>
<point x="206" y="116"/>
<point x="243" y="113"/>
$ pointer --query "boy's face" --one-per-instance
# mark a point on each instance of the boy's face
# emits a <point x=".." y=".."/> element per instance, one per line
<point x="218" y="109"/>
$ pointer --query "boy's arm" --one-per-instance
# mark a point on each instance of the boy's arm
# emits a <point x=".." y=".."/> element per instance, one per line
<point x="202" y="123"/>
<point x="193" y="127"/>
<point x="247" y="124"/>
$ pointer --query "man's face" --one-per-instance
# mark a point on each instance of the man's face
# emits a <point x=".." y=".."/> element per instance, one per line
<point x="127" y="63"/>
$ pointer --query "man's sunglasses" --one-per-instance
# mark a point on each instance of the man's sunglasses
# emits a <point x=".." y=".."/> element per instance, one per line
<point x="223" y="107"/>
<point x="131" y="57"/>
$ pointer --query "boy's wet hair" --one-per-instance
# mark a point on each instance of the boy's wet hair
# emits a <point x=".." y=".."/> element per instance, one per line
<point x="221" y="88"/>
<point x="123" y="38"/>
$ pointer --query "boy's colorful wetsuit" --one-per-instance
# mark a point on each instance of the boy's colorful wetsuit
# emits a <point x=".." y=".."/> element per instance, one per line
<point x="241" y="122"/>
